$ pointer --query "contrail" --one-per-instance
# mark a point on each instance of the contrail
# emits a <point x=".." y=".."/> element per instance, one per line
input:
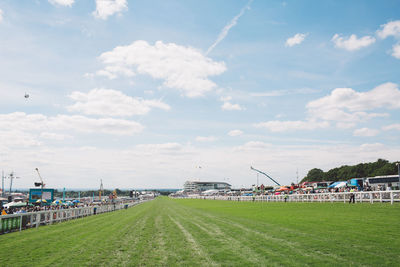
<point x="226" y="29"/>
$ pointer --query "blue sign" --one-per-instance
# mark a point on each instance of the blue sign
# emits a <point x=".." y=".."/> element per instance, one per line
<point x="36" y="194"/>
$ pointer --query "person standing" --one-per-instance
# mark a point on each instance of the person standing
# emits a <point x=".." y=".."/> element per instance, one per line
<point x="3" y="211"/>
<point x="352" y="196"/>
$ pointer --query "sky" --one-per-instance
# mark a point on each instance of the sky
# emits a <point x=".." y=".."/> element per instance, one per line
<point x="149" y="94"/>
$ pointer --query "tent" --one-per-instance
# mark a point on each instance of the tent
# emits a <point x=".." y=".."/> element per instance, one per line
<point x="282" y="189"/>
<point x="56" y="202"/>
<point x="15" y="204"/>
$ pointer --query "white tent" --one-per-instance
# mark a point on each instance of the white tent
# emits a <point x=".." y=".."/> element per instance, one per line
<point x="341" y="184"/>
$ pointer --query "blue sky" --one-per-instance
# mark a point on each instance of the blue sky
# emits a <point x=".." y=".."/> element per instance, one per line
<point x="142" y="93"/>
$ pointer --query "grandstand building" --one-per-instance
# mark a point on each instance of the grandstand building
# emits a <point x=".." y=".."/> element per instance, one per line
<point x="191" y="186"/>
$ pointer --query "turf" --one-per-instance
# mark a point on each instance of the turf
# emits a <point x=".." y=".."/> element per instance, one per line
<point x="167" y="232"/>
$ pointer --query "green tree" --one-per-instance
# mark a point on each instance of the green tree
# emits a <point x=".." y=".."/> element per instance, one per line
<point x="345" y="172"/>
<point x="314" y="175"/>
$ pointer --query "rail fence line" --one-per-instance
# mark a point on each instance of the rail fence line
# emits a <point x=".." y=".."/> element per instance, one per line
<point x="369" y="196"/>
<point x="21" y="221"/>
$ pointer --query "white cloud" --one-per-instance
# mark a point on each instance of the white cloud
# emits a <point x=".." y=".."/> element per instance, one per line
<point x="344" y="106"/>
<point x="282" y="126"/>
<point x="295" y="40"/>
<point x="108" y="102"/>
<point x="375" y="148"/>
<point x="1" y="15"/>
<point x="163" y="149"/>
<point x="10" y="138"/>
<point x="62" y="2"/>
<point x="395" y="126"/>
<point x="347" y="105"/>
<point x="54" y="136"/>
<point x="396" y="51"/>
<point x="230" y="106"/>
<point x="206" y="138"/>
<point x="345" y="125"/>
<point x="389" y="29"/>
<point x="252" y="146"/>
<point x="89" y="125"/>
<point x="112" y="72"/>
<point x="366" y="132"/>
<point x="352" y="43"/>
<point x="106" y="8"/>
<point x="283" y="92"/>
<point x="226" y="29"/>
<point x="20" y="121"/>
<point x="235" y="133"/>
<point x="180" y="67"/>
<point x="226" y="98"/>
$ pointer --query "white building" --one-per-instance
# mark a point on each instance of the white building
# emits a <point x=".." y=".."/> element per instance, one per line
<point x="203" y="186"/>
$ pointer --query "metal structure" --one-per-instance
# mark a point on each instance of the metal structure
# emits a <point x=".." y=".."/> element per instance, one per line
<point x="12" y="177"/>
<point x="41" y="187"/>
<point x="101" y="190"/>
<point x="265" y="175"/>
<point x="2" y="183"/>
<point x="398" y="168"/>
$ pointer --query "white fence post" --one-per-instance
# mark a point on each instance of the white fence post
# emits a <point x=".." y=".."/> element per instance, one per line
<point x="37" y="220"/>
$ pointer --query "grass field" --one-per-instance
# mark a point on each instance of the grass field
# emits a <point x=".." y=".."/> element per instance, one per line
<point x="167" y="232"/>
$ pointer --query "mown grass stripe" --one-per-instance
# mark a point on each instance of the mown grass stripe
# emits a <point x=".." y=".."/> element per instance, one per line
<point x="269" y="248"/>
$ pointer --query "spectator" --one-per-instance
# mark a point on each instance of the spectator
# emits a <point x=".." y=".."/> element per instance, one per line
<point x="389" y="187"/>
<point x="352" y="196"/>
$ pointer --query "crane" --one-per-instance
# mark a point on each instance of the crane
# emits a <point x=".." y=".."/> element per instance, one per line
<point x="41" y="186"/>
<point x="251" y="168"/>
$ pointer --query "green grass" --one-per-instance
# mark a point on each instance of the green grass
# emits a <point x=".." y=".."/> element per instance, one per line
<point x="167" y="232"/>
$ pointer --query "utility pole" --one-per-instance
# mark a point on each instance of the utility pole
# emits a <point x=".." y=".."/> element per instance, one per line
<point x="398" y="168"/>
<point x="257" y="179"/>
<point x="2" y="183"/>
<point x="12" y="177"/>
<point x="297" y="176"/>
<point x="101" y="189"/>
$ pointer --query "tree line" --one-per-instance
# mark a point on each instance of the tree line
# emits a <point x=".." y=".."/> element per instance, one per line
<point x="345" y="172"/>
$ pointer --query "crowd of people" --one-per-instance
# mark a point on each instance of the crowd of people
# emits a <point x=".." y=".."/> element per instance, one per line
<point x="37" y="207"/>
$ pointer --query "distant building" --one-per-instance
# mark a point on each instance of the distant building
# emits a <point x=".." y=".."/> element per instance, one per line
<point x="203" y="186"/>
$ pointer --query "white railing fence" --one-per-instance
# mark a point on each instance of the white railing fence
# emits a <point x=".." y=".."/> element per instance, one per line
<point x="368" y="196"/>
<point x="22" y="221"/>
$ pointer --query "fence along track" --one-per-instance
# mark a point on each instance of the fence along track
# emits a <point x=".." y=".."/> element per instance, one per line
<point x="21" y="221"/>
<point x="368" y="197"/>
